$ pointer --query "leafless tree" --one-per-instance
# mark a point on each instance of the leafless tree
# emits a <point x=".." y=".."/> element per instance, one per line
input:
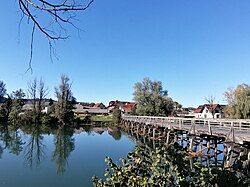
<point x="211" y="101"/>
<point x="37" y="93"/>
<point x="51" y="17"/>
<point x="32" y="93"/>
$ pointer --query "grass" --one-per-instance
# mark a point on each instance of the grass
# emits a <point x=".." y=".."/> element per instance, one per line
<point x="101" y="118"/>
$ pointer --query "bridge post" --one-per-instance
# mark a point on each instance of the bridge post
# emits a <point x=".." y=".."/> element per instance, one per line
<point x="191" y="141"/>
<point x="144" y="129"/>
<point x="209" y="128"/>
<point x="180" y="123"/>
<point x="154" y="144"/>
<point x="149" y="131"/>
<point x="208" y="146"/>
<point x="168" y="134"/>
<point x="248" y="157"/>
<point x="200" y="146"/>
<point x="215" y="147"/>
<point x="230" y="137"/>
<point x="137" y="127"/>
<point x="153" y="133"/>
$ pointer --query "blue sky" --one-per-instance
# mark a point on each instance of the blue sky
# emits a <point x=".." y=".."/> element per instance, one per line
<point x="196" y="48"/>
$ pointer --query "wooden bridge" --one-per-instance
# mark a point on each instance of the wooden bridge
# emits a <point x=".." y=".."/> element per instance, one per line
<point x="233" y="130"/>
<point x="202" y="136"/>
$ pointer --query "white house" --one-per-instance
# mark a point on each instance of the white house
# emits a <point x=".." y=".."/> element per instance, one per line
<point x="209" y="111"/>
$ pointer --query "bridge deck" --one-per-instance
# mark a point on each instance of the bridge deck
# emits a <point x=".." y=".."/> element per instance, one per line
<point x="237" y="131"/>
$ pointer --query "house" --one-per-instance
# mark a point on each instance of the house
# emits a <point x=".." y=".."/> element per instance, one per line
<point x="99" y="105"/>
<point x="209" y="111"/>
<point x="124" y="106"/>
<point x="128" y="108"/>
<point x="80" y="110"/>
<point x="29" y="105"/>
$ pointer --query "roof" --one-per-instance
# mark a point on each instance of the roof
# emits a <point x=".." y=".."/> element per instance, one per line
<point x="199" y="109"/>
<point x="128" y="107"/>
<point x="91" y="111"/>
<point x="210" y="107"/>
<point x="99" y="105"/>
<point x="120" y="103"/>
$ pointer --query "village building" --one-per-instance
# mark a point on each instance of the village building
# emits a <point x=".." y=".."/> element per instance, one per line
<point x="99" y="105"/>
<point x="209" y="111"/>
<point x="186" y="112"/>
<point x="128" y="108"/>
<point x="29" y="105"/>
<point x="97" y="109"/>
<point x="124" y="106"/>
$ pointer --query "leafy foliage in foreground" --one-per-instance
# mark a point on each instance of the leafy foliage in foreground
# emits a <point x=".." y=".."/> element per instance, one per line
<point x="168" y="166"/>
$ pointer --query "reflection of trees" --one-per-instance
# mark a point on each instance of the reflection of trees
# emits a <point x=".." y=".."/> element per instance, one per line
<point x="34" y="150"/>
<point x="64" y="145"/>
<point x="10" y="140"/>
<point x="115" y="133"/>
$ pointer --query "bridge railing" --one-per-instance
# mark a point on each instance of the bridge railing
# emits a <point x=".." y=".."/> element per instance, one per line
<point x="242" y="124"/>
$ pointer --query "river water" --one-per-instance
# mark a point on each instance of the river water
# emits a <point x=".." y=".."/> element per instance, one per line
<point x="38" y="156"/>
<point x="60" y="159"/>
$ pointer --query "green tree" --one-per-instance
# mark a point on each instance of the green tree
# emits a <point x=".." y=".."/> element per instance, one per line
<point x="152" y="99"/>
<point x="6" y="109"/>
<point x="116" y="115"/>
<point x="166" y="166"/>
<point x="2" y="89"/>
<point x="65" y="101"/>
<point x="238" y="102"/>
<point x="17" y="104"/>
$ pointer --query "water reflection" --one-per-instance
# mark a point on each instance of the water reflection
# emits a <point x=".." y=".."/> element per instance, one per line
<point x="64" y="145"/>
<point x="34" y="148"/>
<point x="115" y="133"/>
<point x="208" y="152"/>
<point x="30" y="142"/>
<point x="10" y="140"/>
<point x="49" y="156"/>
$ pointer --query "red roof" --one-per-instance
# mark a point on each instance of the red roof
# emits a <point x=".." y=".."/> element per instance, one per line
<point x="128" y="107"/>
<point x="210" y="107"/>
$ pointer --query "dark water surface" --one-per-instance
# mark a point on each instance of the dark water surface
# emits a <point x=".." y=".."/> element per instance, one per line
<point x="61" y="159"/>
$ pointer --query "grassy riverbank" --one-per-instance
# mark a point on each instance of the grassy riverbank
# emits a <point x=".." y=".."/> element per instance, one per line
<point x="102" y="118"/>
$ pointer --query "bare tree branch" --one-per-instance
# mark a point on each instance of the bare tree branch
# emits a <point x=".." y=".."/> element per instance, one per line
<point x="51" y="18"/>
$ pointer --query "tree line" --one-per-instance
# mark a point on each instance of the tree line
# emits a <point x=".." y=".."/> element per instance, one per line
<point x="153" y="100"/>
<point x="150" y="97"/>
<point x="11" y="110"/>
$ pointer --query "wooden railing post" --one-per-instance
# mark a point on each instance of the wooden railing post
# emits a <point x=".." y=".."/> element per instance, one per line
<point x="209" y="128"/>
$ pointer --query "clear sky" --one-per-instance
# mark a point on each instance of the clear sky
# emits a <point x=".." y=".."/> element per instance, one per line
<point x="196" y="48"/>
